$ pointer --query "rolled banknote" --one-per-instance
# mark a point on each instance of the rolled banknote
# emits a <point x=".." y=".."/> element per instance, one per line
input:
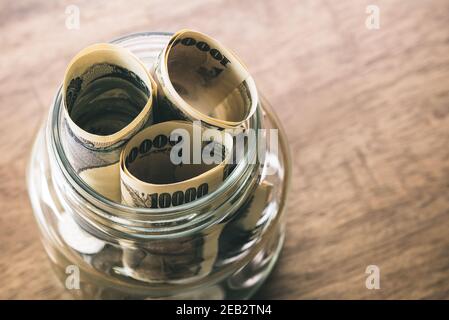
<point x="169" y="164"/>
<point x="158" y="171"/>
<point x="243" y="228"/>
<point x="108" y="96"/>
<point x="199" y="79"/>
<point x="178" y="260"/>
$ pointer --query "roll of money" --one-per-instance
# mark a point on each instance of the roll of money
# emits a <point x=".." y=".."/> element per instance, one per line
<point x="244" y="226"/>
<point x="199" y="79"/>
<point x="108" y="96"/>
<point x="169" y="164"/>
<point x="178" y="260"/>
<point x="158" y="171"/>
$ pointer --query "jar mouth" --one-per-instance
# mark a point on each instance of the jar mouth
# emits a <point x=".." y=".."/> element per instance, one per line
<point x="247" y="163"/>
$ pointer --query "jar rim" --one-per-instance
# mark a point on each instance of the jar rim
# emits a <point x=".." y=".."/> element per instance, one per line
<point x="69" y="172"/>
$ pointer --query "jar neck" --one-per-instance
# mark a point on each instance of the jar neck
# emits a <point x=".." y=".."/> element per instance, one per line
<point x="116" y="221"/>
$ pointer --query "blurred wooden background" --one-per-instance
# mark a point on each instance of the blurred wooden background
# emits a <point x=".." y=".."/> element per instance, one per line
<point x="366" y="113"/>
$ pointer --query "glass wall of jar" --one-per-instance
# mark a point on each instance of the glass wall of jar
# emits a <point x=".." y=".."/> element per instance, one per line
<point x="221" y="246"/>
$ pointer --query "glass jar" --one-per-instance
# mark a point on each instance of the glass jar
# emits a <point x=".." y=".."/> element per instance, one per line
<point x="221" y="246"/>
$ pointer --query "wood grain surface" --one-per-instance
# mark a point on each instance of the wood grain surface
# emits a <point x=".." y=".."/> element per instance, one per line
<point x="366" y="113"/>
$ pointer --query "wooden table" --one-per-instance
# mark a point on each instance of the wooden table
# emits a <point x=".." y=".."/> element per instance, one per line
<point x="366" y="113"/>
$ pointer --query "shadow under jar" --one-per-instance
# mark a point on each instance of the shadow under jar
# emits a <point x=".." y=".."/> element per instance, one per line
<point x="221" y="246"/>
